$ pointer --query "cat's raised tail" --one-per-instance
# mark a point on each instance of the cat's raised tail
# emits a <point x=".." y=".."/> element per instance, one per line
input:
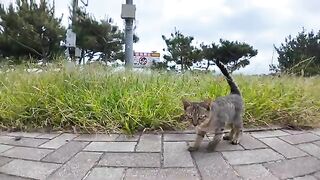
<point x="233" y="86"/>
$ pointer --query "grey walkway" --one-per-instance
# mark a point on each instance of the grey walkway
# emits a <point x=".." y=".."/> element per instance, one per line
<point x="279" y="154"/>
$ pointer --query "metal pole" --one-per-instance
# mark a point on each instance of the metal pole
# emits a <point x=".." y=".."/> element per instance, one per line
<point x="74" y="12"/>
<point x="129" y="39"/>
<point x="72" y="50"/>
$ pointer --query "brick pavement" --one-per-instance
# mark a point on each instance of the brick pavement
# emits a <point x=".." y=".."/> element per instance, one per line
<point x="278" y="154"/>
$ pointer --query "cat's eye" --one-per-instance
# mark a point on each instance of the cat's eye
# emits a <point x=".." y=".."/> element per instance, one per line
<point x="203" y="116"/>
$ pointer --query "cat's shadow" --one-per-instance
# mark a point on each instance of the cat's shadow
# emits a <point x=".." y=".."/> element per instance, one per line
<point x="221" y="147"/>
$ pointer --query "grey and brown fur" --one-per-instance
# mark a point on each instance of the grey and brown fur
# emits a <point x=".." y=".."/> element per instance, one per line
<point x="215" y="115"/>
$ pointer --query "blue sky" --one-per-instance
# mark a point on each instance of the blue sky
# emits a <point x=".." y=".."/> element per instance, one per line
<point x="260" y="23"/>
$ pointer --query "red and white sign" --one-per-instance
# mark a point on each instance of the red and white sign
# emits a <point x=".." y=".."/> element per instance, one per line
<point x="145" y="59"/>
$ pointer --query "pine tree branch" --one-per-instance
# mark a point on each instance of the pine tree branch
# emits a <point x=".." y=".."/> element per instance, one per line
<point x="23" y="45"/>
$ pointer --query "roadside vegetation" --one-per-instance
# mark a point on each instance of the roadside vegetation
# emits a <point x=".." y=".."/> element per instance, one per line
<point x="95" y="98"/>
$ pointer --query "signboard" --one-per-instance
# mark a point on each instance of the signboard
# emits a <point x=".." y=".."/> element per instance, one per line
<point x="145" y="59"/>
<point x="70" y="38"/>
<point x="77" y="52"/>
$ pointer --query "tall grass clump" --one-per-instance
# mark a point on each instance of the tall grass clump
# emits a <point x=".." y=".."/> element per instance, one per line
<point x="95" y="98"/>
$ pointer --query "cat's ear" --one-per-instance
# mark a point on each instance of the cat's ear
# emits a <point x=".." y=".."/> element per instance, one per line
<point x="207" y="104"/>
<point x="186" y="103"/>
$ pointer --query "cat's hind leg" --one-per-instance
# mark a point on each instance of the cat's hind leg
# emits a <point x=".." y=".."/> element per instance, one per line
<point x="230" y="134"/>
<point x="237" y="128"/>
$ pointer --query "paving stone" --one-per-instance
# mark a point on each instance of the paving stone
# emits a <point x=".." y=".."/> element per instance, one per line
<point x="305" y="178"/>
<point x="213" y="165"/>
<point x="179" y="137"/>
<point x="251" y="156"/>
<point x="131" y="160"/>
<point x="26" y="153"/>
<point x="103" y="173"/>
<point x="59" y="141"/>
<point x="48" y="136"/>
<point x="9" y="177"/>
<point x="293" y="131"/>
<point x="29" y="142"/>
<point x="24" y="134"/>
<point x="300" y="138"/>
<point x="4" y="160"/>
<point x="2" y="133"/>
<point x="29" y="169"/>
<point x="282" y="147"/>
<point x="126" y="138"/>
<point x="176" y="155"/>
<point x="256" y="171"/>
<point x="257" y="129"/>
<point x="4" y="147"/>
<point x="316" y="131"/>
<point x="97" y="137"/>
<point x="64" y="153"/>
<point x="311" y="149"/>
<point x="317" y="175"/>
<point x="188" y="131"/>
<point x="265" y="134"/>
<point x="77" y="167"/>
<point x="162" y="174"/>
<point x="222" y="146"/>
<point x="249" y="142"/>
<point x="149" y="143"/>
<point x="227" y="146"/>
<point x="294" y="167"/>
<point x="111" y="146"/>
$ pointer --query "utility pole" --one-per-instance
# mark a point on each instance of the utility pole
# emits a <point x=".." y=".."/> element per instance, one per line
<point x="73" y="51"/>
<point x="74" y="13"/>
<point x="128" y="14"/>
<point x="71" y="36"/>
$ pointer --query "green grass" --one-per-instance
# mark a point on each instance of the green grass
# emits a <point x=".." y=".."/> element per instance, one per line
<point x="98" y="99"/>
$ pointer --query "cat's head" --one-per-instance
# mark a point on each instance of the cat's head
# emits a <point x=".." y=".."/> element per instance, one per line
<point x="197" y="112"/>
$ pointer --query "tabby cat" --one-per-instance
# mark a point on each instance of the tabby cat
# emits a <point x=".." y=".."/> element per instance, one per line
<point x="215" y="115"/>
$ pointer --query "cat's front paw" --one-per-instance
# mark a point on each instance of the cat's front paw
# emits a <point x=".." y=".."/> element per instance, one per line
<point x="235" y="142"/>
<point x="212" y="146"/>
<point x="192" y="148"/>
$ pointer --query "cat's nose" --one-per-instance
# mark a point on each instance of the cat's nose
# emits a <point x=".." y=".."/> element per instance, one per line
<point x="195" y="124"/>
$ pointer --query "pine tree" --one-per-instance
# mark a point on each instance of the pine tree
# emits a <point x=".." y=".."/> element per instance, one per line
<point x="29" y="29"/>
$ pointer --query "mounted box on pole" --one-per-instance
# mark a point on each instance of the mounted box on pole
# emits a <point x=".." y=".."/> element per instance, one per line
<point x="128" y="11"/>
